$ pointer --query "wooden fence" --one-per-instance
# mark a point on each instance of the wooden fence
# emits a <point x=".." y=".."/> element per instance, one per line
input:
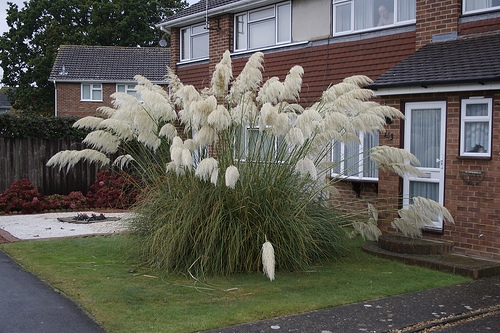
<point x="26" y="158"/>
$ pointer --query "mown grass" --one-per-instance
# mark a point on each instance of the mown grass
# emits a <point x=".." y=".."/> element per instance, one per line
<point x="98" y="273"/>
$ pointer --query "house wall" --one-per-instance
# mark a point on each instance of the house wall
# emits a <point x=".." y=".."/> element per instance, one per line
<point x="474" y="207"/>
<point x="69" y="100"/>
<point x="436" y="18"/>
<point x="327" y="61"/>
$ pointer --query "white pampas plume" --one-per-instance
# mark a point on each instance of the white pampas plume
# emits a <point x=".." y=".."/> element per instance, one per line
<point x="293" y="83"/>
<point x="222" y="75"/>
<point x="90" y="123"/>
<point x="250" y="77"/>
<point x="168" y="131"/>
<point x="232" y="175"/>
<point x="294" y="138"/>
<point x="219" y="119"/>
<point x="271" y="92"/>
<point x="120" y="128"/>
<point x="268" y="263"/>
<point x="123" y="160"/>
<point x="205" y="136"/>
<point x="206" y="168"/>
<point x="103" y="141"/>
<point x="396" y="159"/>
<point x="306" y="166"/>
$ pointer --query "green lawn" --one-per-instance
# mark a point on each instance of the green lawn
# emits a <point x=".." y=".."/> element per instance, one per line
<point x="98" y="273"/>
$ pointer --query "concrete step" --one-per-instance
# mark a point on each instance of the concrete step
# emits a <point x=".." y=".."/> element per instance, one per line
<point x="475" y="268"/>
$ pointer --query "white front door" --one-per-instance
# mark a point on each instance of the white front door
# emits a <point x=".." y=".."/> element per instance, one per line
<point x="425" y="129"/>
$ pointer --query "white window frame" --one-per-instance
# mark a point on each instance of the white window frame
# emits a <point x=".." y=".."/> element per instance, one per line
<point x="246" y="137"/>
<point x="129" y="89"/>
<point x="359" y="176"/>
<point x="93" y="87"/>
<point x="246" y="23"/>
<point x="464" y="119"/>
<point x="339" y="3"/>
<point x="190" y="35"/>
<point x="490" y="5"/>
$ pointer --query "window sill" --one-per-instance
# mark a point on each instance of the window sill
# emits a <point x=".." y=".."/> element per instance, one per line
<point x="358" y="184"/>
<point x="271" y="47"/>
<point x="89" y="100"/>
<point x="190" y="62"/>
<point x="484" y="158"/>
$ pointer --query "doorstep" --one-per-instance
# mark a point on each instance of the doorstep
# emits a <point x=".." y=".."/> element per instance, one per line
<point x="447" y="262"/>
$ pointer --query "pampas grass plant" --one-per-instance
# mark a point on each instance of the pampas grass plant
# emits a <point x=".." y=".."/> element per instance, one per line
<point x="252" y="168"/>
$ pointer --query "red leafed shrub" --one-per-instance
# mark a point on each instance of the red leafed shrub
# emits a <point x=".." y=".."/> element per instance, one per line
<point x="74" y="200"/>
<point x="21" y="196"/>
<point x="113" y="190"/>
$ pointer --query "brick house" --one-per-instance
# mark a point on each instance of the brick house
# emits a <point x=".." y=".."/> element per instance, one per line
<point x="436" y="61"/>
<point x="85" y="76"/>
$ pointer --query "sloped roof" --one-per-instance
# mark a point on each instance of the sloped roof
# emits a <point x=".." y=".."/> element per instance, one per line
<point x="474" y="59"/>
<point x="109" y="63"/>
<point x="200" y="7"/>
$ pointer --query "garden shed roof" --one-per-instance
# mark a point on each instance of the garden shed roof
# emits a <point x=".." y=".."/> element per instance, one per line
<point x="77" y="63"/>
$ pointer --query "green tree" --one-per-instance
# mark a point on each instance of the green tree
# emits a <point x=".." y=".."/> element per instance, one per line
<point x="28" y="49"/>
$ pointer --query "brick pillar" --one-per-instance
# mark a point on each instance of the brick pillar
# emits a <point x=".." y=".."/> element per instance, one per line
<point x="221" y="38"/>
<point x="436" y="18"/>
<point x="174" y="48"/>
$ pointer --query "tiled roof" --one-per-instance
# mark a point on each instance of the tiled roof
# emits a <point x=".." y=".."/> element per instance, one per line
<point x="463" y="60"/>
<point x="109" y="63"/>
<point x="200" y="7"/>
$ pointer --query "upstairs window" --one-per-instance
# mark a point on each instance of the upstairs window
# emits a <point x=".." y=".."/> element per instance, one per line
<point x="128" y="89"/>
<point x="263" y="27"/>
<point x="353" y="160"/>
<point x="91" y="92"/>
<point x="358" y="15"/>
<point x="475" y="127"/>
<point x="194" y="42"/>
<point x="476" y="6"/>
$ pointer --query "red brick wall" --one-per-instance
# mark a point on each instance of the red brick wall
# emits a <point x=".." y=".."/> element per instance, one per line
<point x="221" y="38"/>
<point x="481" y="26"/>
<point x="435" y="18"/>
<point x="325" y="65"/>
<point x="69" y="100"/>
<point x="476" y="209"/>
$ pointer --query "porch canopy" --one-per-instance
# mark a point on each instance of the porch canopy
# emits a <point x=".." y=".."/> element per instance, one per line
<point x="465" y="63"/>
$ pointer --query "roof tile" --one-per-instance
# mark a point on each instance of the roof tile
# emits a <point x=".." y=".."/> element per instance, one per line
<point x="109" y="63"/>
<point x="467" y="59"/>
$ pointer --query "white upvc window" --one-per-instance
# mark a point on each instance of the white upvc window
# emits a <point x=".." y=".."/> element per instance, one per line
<point x="128" y="89"/>
<point x="253" y="145"/>
<point x="194" y="42"/>
<point x="91" y="92"/>
<point x="360" y="15"/>
<point x="475" y="127"/>
<point x="352" y="161"/>
<point x="477" y="6"/>
<point x="263" y="27"/>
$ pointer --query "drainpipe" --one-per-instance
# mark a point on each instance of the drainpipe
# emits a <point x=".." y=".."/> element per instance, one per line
<point x="55" y="101"/>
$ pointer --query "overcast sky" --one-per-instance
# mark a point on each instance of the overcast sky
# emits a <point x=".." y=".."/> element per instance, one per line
<point x="20" y="4"/>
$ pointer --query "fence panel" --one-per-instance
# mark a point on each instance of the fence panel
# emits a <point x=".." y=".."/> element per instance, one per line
<point x="22" y="158"/>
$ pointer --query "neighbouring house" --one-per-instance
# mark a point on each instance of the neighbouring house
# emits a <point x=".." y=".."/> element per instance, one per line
<point x="4" y="102"/>
<point x="436" y="61"/>
<point x="85" y="76"/>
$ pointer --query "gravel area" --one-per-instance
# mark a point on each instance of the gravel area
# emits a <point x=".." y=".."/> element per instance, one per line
<point x="38" y="226"/>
